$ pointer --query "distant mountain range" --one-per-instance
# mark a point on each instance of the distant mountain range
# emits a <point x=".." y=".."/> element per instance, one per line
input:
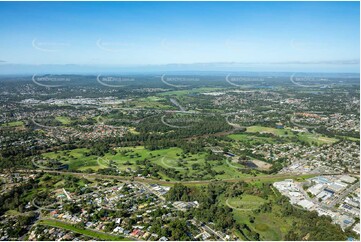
<point x="345" y="66"/>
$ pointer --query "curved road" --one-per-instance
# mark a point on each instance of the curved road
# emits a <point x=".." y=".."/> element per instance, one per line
<point x="235" y="208"/>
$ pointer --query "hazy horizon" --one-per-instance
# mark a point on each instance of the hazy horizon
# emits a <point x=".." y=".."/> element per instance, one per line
<point x="14" y="69"/>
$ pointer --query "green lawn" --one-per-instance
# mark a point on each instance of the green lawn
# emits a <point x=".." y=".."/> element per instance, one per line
<point x="287" y="133"/>
<point x="260" y="129"/>
<point x="13" y="124"/>
<point x="247" y="202"/>
<point x="169" y="158"/>
<point x="63" y="119"/>
<point x="271" y="226"/>
<point x="12" y="213"/>
<point x="316" y="138"/>
<point x="76" y="159"/>
<point x="249" y="138"/>
<point x="351" y="138"/>
<point x="86" y="232"/>
<point x="152" y="102"/>
<point x="127" y="157"/>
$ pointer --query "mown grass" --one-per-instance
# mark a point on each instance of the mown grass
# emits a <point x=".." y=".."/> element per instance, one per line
<point x="252" y="139"/>
<point x="127" y="157"/>
<point x="311" y="138"/>
<point x="271" y="226"/>
<point x="246" y="202"/>
<point x="86" y="232"/>
<point x="260" y="129"/>
<point x="63" y="119"/>
<point x="76" y="159"/>
<point x="316" y="138"/>
<point x="13" y="124"/>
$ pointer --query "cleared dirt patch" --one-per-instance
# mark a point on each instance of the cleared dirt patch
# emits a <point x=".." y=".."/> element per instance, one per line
<point x="262" y="165"/>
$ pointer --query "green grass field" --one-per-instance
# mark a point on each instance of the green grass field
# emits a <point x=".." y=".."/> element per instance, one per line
<point x="252" y="139"/>
<point x="316" y="138"/>
<point x="76" y="159"/>
<point x="13" y="124"/>
<point x="86" y="232"/>
<point x="127" y="157"/>
<point x="351" y="138"/>
<point x="63" y="119"/>
<point x="260" y="129"/>
<point x="271" y="226"/>
<point x="246" y="202"/>
<point x="287" y="133"/>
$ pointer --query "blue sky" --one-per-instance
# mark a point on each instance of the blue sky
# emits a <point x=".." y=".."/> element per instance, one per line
<point x="282" y="34"/>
